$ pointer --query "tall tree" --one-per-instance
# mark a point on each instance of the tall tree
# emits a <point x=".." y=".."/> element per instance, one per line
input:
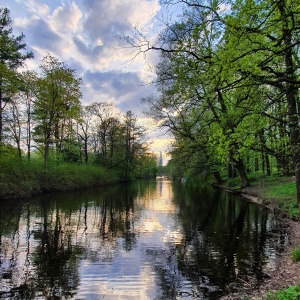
<point x="29" y="90"/>
<point x="134" y="143"/>
<point x="58" y="101"/>
<point x="84" y="128"/>
<point x="104" y="113"/>
<point x="12" y="56"/>
<point x="266" y="35"/>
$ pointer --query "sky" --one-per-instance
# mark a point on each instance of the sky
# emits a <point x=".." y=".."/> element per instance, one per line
<point x="87" y="36"/>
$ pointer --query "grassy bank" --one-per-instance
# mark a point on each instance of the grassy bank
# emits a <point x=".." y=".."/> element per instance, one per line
<point x="276" y="192"/>
<point x="27" y="178"/>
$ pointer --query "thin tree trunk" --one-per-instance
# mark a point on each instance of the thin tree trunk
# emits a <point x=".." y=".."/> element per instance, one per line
<point x="256" y="164"/>
<point x="268" y="167"/>
<point x="1" y="117"/>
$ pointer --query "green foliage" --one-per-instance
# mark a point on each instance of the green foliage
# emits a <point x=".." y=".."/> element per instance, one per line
<point x="11" y="46"/>
<point x="294" y="211"/>
<point x="26" y="178"/>
<point x="57" y="105"/>
<point x="291" y="293"/>
<point x="295" y="254"/>
<point x="8" y="151"/>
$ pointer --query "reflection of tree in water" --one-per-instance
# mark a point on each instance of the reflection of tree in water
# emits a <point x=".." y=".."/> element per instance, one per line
<point x="221" y="241"/>
<point x="10" y="215"/>
<point x="224" y="246"/>
<point x="55" y="258"/>
<point x="59" y="231"/>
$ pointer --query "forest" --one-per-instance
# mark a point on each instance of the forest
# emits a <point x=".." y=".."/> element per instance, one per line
<point x="46" y="130"/>
<point x="228" y="88"/>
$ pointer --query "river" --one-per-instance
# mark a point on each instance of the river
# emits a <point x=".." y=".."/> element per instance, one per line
<point x="146" y="240"/>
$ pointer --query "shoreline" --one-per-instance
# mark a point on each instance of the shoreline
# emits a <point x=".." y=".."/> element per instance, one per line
<point x="286" y="273"/>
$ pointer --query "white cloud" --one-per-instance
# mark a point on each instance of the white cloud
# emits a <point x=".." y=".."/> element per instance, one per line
<point x="66" y="18"/>
<point x="86" y="35"/>
<point x="36" y="7"/>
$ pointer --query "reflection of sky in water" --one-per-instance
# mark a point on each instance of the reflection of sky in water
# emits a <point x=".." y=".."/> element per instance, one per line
<point x="131" y="274"/>
<point x="110" y="247"/>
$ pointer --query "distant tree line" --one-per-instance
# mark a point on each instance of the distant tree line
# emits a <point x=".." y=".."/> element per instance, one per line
<point x="228" y="87"/>
<point x="41" y="115"/>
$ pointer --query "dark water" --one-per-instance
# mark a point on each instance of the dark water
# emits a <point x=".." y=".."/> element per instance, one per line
<point x="148" y="240"/>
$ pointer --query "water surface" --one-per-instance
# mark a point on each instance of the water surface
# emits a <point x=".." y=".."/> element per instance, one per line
<point x="147" y="240"/>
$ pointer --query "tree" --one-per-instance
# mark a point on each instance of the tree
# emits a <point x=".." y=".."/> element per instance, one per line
<point x="196" y="85"/>
<point x="266" y="34"/>
<point x="58" y="102"/>
<point x="104" y="113"/>
<point x="28" y="88"/>
<point x="13" y="122"/>
<point x="135" y="147"/>
<point x="240" y="64"/>
<point x="84" y="128"/>
<point x="11" y="57"/>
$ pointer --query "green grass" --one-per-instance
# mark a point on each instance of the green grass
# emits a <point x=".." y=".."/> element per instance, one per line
<point x="20" y="179"/>
<point x="283" y="192"/>
<point x="276" y="189"/>
<point x="291" y="293"/>
<point x="295" y="254"/>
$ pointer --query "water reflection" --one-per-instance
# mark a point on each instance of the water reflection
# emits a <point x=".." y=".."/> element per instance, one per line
<point x="147" y="240"/>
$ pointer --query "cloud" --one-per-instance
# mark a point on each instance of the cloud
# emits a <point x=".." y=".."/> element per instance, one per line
<point x="86" y="35"/>
<point x="66" y="17"/>
<point x="89" y="51"/>
<point x="106" y="18"/>
<point x="116" y="83"/>
<point x="122" y="88"/>
<point x="108" y="21"/>
<point x="43" y="36"/>
<point x="36" y="7"/>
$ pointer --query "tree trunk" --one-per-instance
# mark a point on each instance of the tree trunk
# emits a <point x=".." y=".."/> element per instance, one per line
<point x="1" y="118"/>
<point x="263" y="163"/>
<point x="268" y="167"/>
<point x="46" y="154"/>
<point x="229" y="170"/>
<point x="86" y="157"/>
<point x="238" y="163"/>
<point x="218" y="178"/>
<point x="256" y="164"/>
<point x="291" y="92"/>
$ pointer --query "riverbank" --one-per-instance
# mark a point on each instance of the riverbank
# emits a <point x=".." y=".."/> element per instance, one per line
<point x="28" y="178"/>
<point x="286" y="273"/>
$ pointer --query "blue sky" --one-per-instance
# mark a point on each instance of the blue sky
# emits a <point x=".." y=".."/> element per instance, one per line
<point x="86" y="35"/>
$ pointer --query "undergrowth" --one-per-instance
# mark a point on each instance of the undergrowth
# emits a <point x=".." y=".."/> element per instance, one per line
<point x="20" y="179"/>
<point x="291" y="293"/>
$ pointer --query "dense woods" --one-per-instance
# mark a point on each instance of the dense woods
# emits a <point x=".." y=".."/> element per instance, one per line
<point x="228" y="87"/>
<point x="42" y="117"/>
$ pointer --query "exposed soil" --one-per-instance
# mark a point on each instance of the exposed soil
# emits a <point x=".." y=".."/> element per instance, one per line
<point x="287" y="272"/>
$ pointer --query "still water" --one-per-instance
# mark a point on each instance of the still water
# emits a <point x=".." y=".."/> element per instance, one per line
<point x="147" y="240"/>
